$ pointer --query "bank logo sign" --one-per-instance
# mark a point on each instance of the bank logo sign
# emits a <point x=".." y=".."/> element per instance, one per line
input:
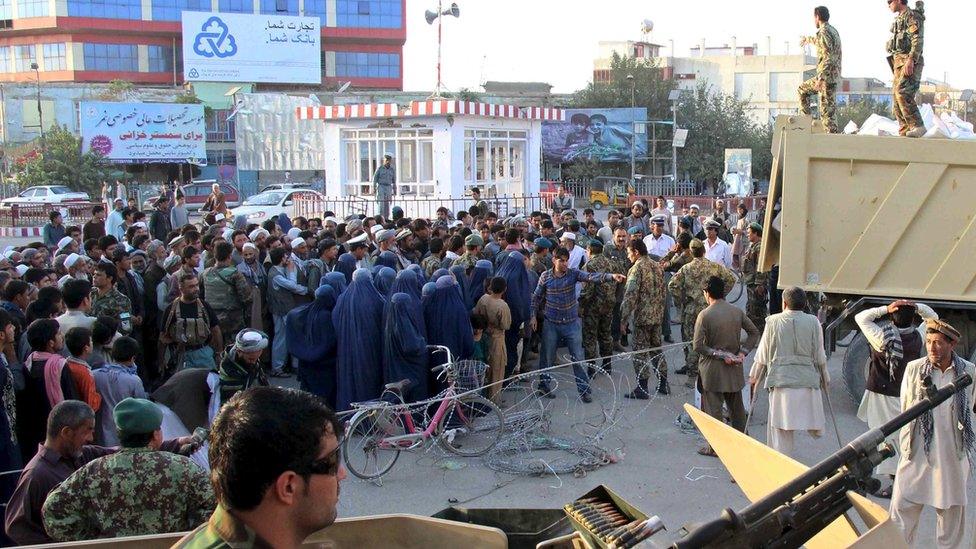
<point x="251" y="48"/>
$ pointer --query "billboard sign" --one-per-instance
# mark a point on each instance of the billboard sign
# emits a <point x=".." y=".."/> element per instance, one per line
<point x="598" y="135"/>
<point x="234" y="47"/>
<point x="144" y="132"/>
<point x="738" y="172"/>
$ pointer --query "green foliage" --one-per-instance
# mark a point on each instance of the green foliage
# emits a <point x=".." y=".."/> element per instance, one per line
<point x="464" y="94"/>
<point x="859" y="111"/>
<point x="650" y="88"/>
<point x="117" y="90"/>
<point x="716" y="122"/>
<point x="62" y="163"/>
<point x="585" y="170"/>
<point x="191" y="98"/>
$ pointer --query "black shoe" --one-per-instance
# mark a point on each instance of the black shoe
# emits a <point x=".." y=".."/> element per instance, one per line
<point x="662" y="387"/>
<point x="669" y="339"/>
<point x="544" y="390"/>
<point x="623" y="340"/>
<point x="682" y="371"/>
<point x="585" y="397"/>
<point x="640" y="393"/>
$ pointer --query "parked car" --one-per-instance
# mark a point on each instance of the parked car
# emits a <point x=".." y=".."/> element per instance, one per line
<point x="271" y="203"/>
<point x="197" y="192"/>
<point x="285" y="187"/>
<point x="46" y="194"/>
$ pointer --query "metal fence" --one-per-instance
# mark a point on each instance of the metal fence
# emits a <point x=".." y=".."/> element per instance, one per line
<point x="644" y="187"/>
<point x="419" y="207"/>
<point x="36" y="215"/>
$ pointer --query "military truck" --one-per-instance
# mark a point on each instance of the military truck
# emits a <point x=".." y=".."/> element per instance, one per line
<point x="866" y="220"/>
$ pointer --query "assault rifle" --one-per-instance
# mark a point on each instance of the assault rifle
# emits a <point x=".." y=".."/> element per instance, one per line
<point x="797" y="511"/>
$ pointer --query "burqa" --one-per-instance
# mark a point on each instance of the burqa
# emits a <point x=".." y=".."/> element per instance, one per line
<point x="358" y="319"/>
<point x="438" y="273"/>
<point x="518" y="296"/>
<point x="406" y="282"/>
<point x="461" y="276"/>
<point x="346" y="264"/>
<point x="311" y="339"/>
<point x="387" y="259"/>
<point x="383" y="279"/>
<point x="421" y="277"/>
<point x="404" y="346"/>
<point x="448" y="321"/>
<point x="337" y="280"/>
<point x="284" y="222"/>
<point x="479" y="275"/>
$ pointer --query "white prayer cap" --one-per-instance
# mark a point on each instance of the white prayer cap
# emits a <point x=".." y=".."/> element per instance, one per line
<point x="294" y="232"/>
<point x="9" y="253"/>
<point x="141" y="224"/>
<point x="250" y="341"/>
<point x="21" y="269"/>
<point x="296" y="242"/>
<point x="171" y="261"/>
<point x="376" y="229"/>
<point x="175" y="241"/>
<point x="569" y="235"/>
<point x="228" y="232"/>
<point x="71" y="260"/>
<point x="258" y="233"/>
<point x="455" y="223"/>
<point x="694" y="207"/>
<point x="64" y="242"/>
<point x="332" y="220"/>
<point x="249" y="246"/>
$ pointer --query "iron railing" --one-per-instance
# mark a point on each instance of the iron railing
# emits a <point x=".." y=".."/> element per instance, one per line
<point x="419" y="207"/>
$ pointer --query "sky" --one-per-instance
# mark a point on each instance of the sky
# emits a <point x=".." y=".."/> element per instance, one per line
<point x="555" y="41"/>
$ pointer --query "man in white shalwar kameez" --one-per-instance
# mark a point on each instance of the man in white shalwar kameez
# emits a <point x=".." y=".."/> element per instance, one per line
<point x="895" y="341"/>
<point x="937" y="448"/>
<point x="792" y="360"/>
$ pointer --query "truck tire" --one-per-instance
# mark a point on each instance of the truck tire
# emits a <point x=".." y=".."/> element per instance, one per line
<point x="597" y="205"/>
<point x="856" y="360"/>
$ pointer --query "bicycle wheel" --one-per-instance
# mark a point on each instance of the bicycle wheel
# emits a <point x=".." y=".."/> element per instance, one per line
<point x="362" y="450"/>
<point x="471" y="427"/>
<point x="737" y="288"/>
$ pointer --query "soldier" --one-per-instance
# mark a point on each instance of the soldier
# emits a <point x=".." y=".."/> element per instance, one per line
<point x="617" y="251"/>
<point x="906" y="61"/>
<point x="755" y="281"/>
<point x="644" y="299"/>
<point x="191" y="330"/>
<point x="686" y="286"/>
<point x="541" y="260"/>
<point x="227" y="291"/>
<point x="824" y="84"/>
<point x="137" y="491"/>
<point x="106" y="299"/>
<point x="596" y="308"/>
<point x="472" y="243"/>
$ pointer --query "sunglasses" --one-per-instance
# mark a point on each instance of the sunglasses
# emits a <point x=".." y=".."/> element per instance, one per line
<point x="328" y="465"/>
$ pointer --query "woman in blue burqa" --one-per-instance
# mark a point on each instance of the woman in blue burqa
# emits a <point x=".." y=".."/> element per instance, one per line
<point x="518" y="296"/>
<point x="358" y="319"/>
<point x="421" y="278"/>
<point x="448" y="323"/>
<point x="346" y="264"/>
<point x="406" y="282"/>
<point x="337" y="280"/>
<point x="463" y="282"/>
<point x="311" y="339"/>
<point x="387" y="259"/>
<point x="476" y="284"/>
<point x="383" y="278"/>
<point x="405" y="347"/>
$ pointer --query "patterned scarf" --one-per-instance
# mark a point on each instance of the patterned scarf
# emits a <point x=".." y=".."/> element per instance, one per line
<point x="963" y="417"/>
<point x="891" y="347"/>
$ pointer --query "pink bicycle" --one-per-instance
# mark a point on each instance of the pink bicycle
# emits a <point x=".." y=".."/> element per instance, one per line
<point x="464" y="423"/>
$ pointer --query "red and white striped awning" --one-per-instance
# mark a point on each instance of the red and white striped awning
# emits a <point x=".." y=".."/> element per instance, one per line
<point x="438" y="107"/>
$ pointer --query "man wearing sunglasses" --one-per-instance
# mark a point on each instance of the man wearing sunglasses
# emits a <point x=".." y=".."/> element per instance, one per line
<point x="275" y="468"/>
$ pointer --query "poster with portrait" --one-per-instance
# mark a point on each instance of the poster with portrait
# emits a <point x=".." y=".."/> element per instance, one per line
<point x="738" y="172"/>
<point x="596" y="135"/>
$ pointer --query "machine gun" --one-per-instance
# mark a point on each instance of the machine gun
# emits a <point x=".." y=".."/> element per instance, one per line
<point x="791" y="515"/>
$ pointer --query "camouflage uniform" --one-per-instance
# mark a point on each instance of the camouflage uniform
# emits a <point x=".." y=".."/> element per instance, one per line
<point x="222" y="531"/>
<point x="687" y="287"/>
<point x="229" y="295"/>
<point x="755" y="281"/>
<point x="137" y="491"/>
<point x="112" y="304"/>
<point x="619" y="258"/>
<point x="430" y="264"/>
<point x="596" y="308"/>
<point x="907" y="38"/>
<point x="540" y="264"/>
<point x="644" y="299"/>
<point x="828" y="72"/>
<point x="467" y="261"/>
<point x="674" y="261"/>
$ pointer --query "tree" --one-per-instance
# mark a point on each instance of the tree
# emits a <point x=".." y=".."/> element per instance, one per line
<point x="650" y="88"/>
<point x="63" y="163"/>
<point x="859" y="111"/>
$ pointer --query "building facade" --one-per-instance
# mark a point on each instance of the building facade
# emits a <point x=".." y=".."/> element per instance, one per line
<point x="140" y="40"/>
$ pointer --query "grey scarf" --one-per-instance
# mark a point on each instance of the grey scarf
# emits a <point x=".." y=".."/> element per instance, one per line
<point x="891" y="347"/>
<point x="963" y="416"/>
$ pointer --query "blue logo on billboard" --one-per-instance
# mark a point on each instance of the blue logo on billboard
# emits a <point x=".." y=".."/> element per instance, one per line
<point x="215" y="40"/>
<point x="194" y="73"/>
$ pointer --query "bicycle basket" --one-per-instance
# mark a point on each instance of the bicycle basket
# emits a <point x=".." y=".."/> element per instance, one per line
<point x="468" y="375"/>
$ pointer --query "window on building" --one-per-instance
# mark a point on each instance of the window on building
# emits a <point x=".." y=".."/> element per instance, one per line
<point x="367" y="65"/>
<point x="54" y="57"/>
<point x="23" y="57"/>
<point x="6" y="9"/>
<point x="219" y="129"/>
<point x="5" y="64"/>
<point x="236" y="6"/>
<point x="317" y="8"/>
<point x="413" y="158"/>
<point x="32" y="8"/>
<point x="111" y="57"/>
<point x="161" y="58"/>
<point x="169" y="10"/>
<point x="284" y="7"/>
<point x="369" y="14"/>
<point x="110" y="9"/>
<point x="495" y="161"/>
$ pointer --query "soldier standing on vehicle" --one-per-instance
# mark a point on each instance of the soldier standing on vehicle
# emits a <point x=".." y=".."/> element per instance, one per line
<point x="755" y="281"/>
<point x="686" y="286"/>
<point x="227" y="291"/>
<point x="824" y="84"/>
<point x="906" y="61"/>
<point x="644" y="299"/>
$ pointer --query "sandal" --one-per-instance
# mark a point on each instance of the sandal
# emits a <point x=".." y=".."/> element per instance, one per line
<point x="884" y="493"/>
<point x="707" y="451"/>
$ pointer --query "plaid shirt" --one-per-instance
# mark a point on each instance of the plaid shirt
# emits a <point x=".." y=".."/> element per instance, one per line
<point x="557" y="294"/>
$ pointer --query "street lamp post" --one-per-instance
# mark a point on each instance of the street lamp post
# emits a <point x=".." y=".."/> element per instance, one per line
<point x="674" y="96"/>
<point x="633" y="139"/>
<point x="40" y="115"/>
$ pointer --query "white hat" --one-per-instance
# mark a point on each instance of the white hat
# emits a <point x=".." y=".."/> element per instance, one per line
<point x="64" y="242"/>
<point x="569" y="235"/>
<point x="293" y="232"/>
<point x="175" y="241"/>
<point x="296" y="242"/>
<point x="376" y="229"/>
<point x="694" y="206"/>
<point x="228" y="232"/>
<point x="249" y="246"/>
<point x="9" y="253"/>
<point x="357" y="240"/>
<point x="141" y="224"/>
<point x="250" y="341"/>
<point x="258" y="233"/>
<point x="454" y="223"/>
<point x="71" y="260"/>
<point x="171" y="261"/>
<point x="219" y="217"/>
<point x="331" y="219"/>
<point x="21" y="269"/>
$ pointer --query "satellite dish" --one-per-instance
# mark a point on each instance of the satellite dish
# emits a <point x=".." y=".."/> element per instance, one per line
<point x="647" y="26"/>
<point x="431" y="16"/>
<point x="455" y="11"/>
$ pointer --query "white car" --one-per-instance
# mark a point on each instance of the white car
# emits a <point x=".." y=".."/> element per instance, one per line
<point x="286" y="187"/>
<point x="46" y="194"/>
<point x="268" y="204"/>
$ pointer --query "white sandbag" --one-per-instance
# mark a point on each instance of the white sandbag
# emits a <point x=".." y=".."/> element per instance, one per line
<point x="851" y="128"/>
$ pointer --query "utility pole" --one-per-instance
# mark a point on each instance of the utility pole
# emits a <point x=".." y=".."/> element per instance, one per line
<point x="633" y="139"/>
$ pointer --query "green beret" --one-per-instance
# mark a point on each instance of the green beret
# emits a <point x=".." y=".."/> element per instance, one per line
<point x="474" y="239"/>
<point x="695" y="243"/>
<point x="756" y="227"/>
<point x="136" y="416"/>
